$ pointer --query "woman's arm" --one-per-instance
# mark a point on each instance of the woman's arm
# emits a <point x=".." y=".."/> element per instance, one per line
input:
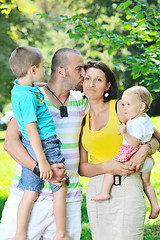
<point x="138" y="158"/>
<point x="156" y="133"/>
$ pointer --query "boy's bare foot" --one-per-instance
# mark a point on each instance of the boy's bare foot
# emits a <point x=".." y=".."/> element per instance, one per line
<point x="61" y="237"/>
<point x="154" y="212"/>
<point x="101" y="197"/>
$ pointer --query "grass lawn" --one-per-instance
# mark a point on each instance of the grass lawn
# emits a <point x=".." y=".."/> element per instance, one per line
<point x="152" y="227"/>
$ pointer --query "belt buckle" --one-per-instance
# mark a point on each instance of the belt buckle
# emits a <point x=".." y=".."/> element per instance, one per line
<point x="117" y="180"/>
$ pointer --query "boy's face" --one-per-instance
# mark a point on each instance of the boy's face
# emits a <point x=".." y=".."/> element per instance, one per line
<point x="40" y="72"/>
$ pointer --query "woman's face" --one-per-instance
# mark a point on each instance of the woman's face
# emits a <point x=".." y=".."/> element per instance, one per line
<point x="94" y="84"/>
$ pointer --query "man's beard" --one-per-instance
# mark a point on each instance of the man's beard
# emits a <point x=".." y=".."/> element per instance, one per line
<point x="79" y="87"/>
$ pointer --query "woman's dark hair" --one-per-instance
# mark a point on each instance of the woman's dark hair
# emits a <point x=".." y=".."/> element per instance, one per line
<point x="110" y="77"/>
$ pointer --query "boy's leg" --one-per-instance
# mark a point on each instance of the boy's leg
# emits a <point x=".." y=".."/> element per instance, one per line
<point x="59" y="209"/>
<point x="23" y="214"/>
<point x="151" y="195"/>
<point x="106" y="188"/>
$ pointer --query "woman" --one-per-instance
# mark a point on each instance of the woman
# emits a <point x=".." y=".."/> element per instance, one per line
<point x="122" y="216"/>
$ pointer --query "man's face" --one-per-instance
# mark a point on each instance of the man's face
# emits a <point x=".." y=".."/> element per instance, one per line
<point x="75" y="72"/>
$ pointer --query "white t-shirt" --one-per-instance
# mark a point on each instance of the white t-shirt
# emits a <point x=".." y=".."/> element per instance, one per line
<point x="140" y="128"/>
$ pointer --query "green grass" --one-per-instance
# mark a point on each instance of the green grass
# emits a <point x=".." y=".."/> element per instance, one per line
<point x="152" y="227"/>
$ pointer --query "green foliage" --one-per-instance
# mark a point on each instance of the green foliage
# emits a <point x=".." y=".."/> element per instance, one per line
<point x="137" y="31"/>
<point x="18" y="26"/>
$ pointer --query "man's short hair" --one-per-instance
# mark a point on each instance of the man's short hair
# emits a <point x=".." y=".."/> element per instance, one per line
<point x="22" y="58"/>
<point x="61" y="57"/>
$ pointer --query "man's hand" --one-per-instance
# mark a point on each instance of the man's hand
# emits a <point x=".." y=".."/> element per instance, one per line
<point x="59" y="173"/>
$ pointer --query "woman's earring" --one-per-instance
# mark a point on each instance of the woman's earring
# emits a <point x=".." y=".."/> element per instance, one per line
<point x="106" y="94"/>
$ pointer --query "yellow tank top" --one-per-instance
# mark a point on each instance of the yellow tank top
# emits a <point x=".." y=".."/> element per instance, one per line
<point x="104" y="144"/>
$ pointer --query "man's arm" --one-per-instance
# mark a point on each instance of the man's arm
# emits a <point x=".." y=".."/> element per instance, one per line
<point x="15" y="148"/>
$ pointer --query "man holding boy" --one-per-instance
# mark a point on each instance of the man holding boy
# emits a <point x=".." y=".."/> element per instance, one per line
<point x="66" y="74"/>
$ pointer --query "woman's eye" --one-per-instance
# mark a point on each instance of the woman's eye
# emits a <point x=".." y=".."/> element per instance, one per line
<point x="86" y="78"/>
<point x="99" y="79"/>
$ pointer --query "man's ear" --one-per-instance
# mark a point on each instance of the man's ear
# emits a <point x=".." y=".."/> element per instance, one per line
<point x="61" y="71"/>
<point x="142" y="106"/>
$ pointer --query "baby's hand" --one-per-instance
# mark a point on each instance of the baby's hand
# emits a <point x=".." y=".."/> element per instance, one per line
<point x="122" y="128"/>
<point x="45" y="170"/>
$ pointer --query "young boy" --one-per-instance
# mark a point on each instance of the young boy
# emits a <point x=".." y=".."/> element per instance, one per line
<point x="138" y="130"/>
<point x="39" y="138"/>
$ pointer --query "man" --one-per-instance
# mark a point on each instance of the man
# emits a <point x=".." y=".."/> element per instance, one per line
<point x="67" y="108"/>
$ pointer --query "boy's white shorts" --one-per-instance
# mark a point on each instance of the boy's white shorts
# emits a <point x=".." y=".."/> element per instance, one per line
<point x="42" y="223"/>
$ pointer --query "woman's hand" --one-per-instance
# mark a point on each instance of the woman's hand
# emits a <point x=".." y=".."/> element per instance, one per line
<point x="117" y="168"/>
<point x="138" y="159"/>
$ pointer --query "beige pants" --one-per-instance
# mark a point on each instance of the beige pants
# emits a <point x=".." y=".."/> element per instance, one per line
<point x="122" y="217"/>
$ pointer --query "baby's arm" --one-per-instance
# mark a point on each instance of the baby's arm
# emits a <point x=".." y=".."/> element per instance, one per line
<point x="132" y="141"/>
<point x="45" y="169"/>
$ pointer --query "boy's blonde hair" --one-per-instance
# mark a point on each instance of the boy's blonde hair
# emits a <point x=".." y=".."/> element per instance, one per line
<point x="22" y="58"/>
<point x="142" y="93"/>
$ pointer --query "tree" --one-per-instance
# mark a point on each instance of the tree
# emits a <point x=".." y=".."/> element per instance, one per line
<point x="137" y="40"/>
<point x="17" y="27"/>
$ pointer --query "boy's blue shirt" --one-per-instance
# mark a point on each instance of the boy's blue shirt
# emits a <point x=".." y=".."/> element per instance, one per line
<point x="29" y="106"/>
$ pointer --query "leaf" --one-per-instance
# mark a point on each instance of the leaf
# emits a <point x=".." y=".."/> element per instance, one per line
<point x="137" y="8"/>
<point x="43" y="15"/>
<point x="127" y="3"/>
<point x="140" y="16"/>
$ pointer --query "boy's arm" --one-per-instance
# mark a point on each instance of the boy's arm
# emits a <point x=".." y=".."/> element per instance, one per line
<point x="131" y="140"/>
<point x="45" y="169"/>
<point x="17" y="151"/>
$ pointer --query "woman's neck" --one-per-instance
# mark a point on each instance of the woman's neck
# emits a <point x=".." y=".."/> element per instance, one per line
<point x="97" y="107"/>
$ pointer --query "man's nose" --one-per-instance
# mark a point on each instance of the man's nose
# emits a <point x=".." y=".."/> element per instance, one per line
<point x="82" y="72"/>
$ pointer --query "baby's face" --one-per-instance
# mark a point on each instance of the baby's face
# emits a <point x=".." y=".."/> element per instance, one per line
<point x="132" y="105"/>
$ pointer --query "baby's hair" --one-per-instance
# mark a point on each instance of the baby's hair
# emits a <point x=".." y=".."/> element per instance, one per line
<point x="22" y="58"/>
<point x="142" y="93"/>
